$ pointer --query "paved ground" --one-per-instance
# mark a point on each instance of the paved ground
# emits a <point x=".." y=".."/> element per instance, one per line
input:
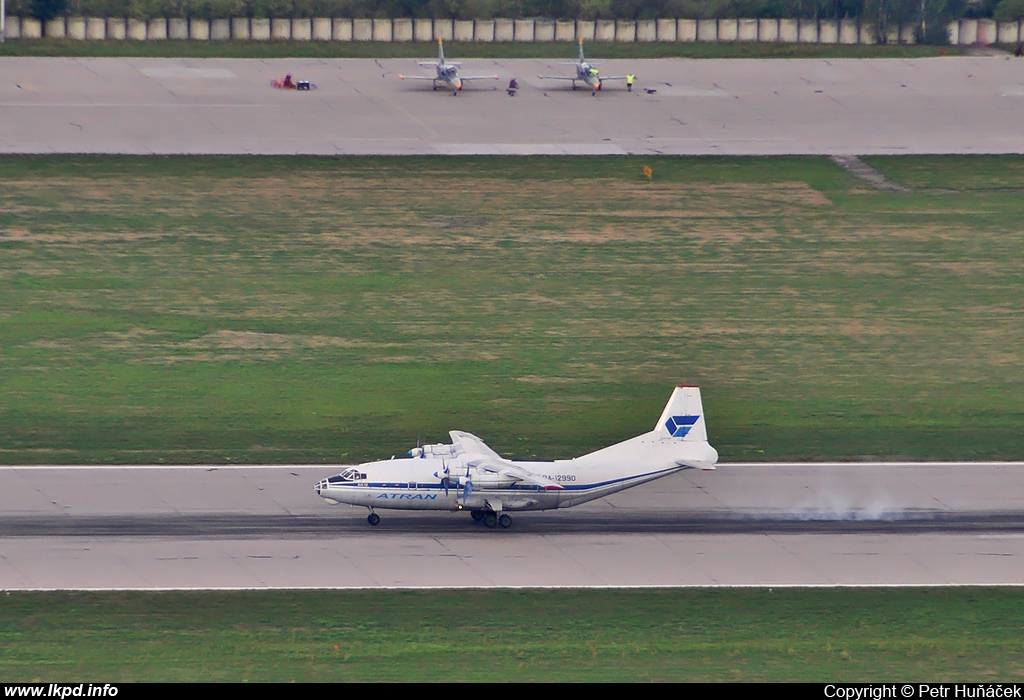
<point x="862" y="524"/>
<point x="743" y="525"/>
<point x="734" y="106"/>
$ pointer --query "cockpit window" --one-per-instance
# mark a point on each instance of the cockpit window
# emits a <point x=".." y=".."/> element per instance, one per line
<point x="347" y="475"/>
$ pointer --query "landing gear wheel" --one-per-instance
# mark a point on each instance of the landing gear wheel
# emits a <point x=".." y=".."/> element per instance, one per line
<point x="478" y="515"/>
<point x="373" y="519"/>
<point x="490" y="520"/>
<point x="505" y="521"/>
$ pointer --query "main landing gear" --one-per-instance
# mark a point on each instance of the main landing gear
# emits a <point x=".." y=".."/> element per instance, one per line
<point x="373" y="519"/>
<point x="492" y="519"/>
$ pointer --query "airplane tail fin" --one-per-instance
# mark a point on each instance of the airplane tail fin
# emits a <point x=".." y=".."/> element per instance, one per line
<point x="440" y="50"/>
<point x="683" y="416"/>
<point x="581" y="52"/>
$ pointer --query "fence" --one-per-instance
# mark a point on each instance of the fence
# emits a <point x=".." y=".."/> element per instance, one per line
<point x="966" y="31"/>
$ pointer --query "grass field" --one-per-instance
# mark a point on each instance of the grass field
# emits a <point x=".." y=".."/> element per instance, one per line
<point x="894" y="635"/>
<point x="325" y="310"/>
<point x="372" y="49"/>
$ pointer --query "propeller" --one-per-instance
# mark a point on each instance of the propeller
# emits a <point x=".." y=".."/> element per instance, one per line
<point x="444" y="479"/>
<point x="468" y="488"/>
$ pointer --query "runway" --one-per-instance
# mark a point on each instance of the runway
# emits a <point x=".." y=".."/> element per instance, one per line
<point x="743" y="525"/>
<point x="680" y="106"/>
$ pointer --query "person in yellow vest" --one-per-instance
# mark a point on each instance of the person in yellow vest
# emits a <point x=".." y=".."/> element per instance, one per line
<point x="629" y="82"/>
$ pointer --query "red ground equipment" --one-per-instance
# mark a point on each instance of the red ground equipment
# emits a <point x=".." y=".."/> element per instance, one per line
<point x="289" y="84"/>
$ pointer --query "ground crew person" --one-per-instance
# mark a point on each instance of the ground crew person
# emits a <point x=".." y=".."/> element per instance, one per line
<point x="629" y="82"/>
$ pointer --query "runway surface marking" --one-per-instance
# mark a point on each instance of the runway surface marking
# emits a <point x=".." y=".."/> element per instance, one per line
<point x="328" y="467"/>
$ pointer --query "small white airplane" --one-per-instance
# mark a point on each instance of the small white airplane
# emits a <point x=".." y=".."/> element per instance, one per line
<point x="586" y="73"/>
<point x="468" y="475"/>
<point x="447" y="73"/>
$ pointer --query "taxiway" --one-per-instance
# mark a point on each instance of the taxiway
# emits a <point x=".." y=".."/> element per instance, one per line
<point x="680" y="106"/>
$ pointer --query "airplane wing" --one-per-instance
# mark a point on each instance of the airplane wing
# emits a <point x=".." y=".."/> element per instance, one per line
<point x="471" y="444"/>
<point x="556" y="77"/>
<point x="535" y="479"/>
<point x="612" y="77"/>
<point x="478" y="77"/>
<point x="415" y="77"/>
<point x="483" y="457"/>
<point x="508" y="469"/>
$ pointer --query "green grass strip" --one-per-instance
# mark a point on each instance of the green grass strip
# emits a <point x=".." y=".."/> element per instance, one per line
<point x="244" y="309"/>
<point x="804" y="635"/>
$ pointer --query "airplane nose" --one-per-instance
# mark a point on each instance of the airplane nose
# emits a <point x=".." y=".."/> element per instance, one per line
<point x="320" y="486"/>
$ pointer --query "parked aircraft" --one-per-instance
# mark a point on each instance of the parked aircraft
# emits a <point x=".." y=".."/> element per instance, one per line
<point x="468" y="475"/>
<point x="586" y="73"/>
<point x="447" y="73"/>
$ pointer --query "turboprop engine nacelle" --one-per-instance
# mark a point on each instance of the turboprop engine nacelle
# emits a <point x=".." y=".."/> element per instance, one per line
<point x="483" y="481"/>
<point x="435" y="450"/>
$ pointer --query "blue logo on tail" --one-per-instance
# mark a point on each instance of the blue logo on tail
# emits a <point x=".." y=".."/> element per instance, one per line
<point x="679" y="426"/>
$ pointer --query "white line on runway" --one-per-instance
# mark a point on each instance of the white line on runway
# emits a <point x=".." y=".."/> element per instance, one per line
<point x="202" y="467"/>
<point x="211" y="467"/>
<point x="761" y="586"/>
<point x="120" y="105"/>
<point x="866" y="464"/>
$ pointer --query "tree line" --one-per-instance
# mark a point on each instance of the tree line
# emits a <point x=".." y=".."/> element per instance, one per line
<point x="932" y="15"/>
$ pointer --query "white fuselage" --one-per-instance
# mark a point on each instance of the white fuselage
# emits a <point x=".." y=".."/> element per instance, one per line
<point x="435" y="482"/>
<point x="449" y="75"/>
<point x="591" y="78"/>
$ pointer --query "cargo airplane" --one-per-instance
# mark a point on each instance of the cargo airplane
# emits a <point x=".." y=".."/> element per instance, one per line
<point x="586" y="73"/>
<point x="447" y="73"/>
<point x="468" y="475"/>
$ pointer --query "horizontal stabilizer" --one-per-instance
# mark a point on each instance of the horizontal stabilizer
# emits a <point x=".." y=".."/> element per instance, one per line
<point x="704" y="467"/>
